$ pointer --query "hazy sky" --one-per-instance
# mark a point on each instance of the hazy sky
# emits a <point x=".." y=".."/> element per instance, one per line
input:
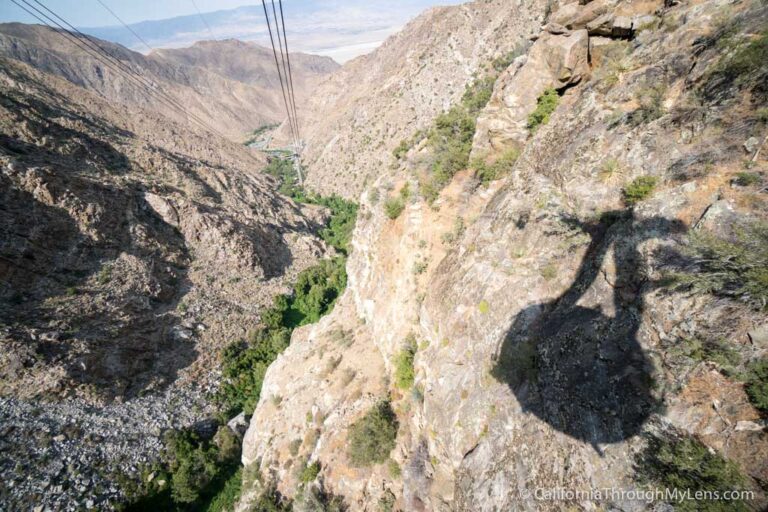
<point x="341" y="29"/>
<point x="88" y="13"/>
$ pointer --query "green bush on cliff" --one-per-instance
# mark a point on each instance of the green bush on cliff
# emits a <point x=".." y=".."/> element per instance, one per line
<point x="735" y="267"/>
<point x="317" y="289"/>
<point x="450" y="139"/>
<point x="372" y="437"/>
<point x="197" y="474"/>
<point x="756" y="384"/>
<point x="394" y="207"/>
<point x="684" y="464"/>
<point x="545" y="106"/>
<point x="639" y="189"/>
<point x="487" y="173"/>
<point x="244" y="365"/>
<point x="404" y="372"/>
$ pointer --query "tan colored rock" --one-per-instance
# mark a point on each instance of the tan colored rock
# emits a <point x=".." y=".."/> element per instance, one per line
<point x="575" y="16"/>
<point x="601" y="26"/>
<point x="554" y="61"/>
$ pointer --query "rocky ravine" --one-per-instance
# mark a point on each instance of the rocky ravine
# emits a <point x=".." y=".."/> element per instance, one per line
<point x="132" y="249"/>
<point x="549" y="348"/>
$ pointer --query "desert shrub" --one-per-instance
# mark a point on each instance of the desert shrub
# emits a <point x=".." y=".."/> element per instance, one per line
<point x="394" y="207"/>
<point x="372" y="437"/>
<point x="450" y="139"/>
<point x="518" y="365"/>
<point x="314" y="498"/>
<point x="226" y="499"/>
<point x="549" y="271"/>
<point x="451" y="142"/>
<point x="387" y="501"/>
<point x="735" y="268"/>
<point x="402" y="149"/>
<point x="545" y="106"/>
<point x="258" y="133"/>
<point x="199" y="469"/>
<point x="747" y="179"/>
<point x="317" y="289"/>
<point x="651" y="101"/>
<point x="746" y="58"/>
<point x="639" y="189"/>
<point x="609" y="169"/>
<point x="501" y="63"/>
<point x="714" y="350"/>
<point x="271" y="501"/>
<point x="338" y="232"/>
<point x="419" y="267"/>
<point x="244" y="366"/>
<point x="310" y="472"/>
<point x="394" y="469"/>
<point x="404" y="372"/>
<point x="756" y="384"/>
<point x="478" y="94"/>
<point x="490" y="172"/>
<point x="685" y="463"/>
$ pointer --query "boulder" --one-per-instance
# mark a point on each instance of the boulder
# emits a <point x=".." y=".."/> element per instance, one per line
<point x="575" y="17"/>
<point x="238" y="424"/>
<point x="622" y="27"/>
<point x="556" y="29"/>
<point x="751" y="145"/>
<point x="601" y="26"/>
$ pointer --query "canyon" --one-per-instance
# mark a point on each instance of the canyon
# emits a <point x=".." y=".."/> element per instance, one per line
<point x="556" y="277"/>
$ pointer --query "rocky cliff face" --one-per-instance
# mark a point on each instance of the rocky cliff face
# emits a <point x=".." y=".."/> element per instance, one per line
<point x="550" y="350"/>
<point x="131" y="250"/>
<point x="358" y="115"/>
<point x="231" y="85"/>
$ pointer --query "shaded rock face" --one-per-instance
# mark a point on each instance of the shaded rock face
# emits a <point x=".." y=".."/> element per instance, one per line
<point x="103" y="219"/>
<point x="577" y="368"/>
<point x="47" y="257"/>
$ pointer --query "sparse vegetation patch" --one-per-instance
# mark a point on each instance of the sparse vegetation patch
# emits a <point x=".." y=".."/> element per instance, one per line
<point x="685" y="463"/>
<point x="735" y="268"/>
<point x="639" y="189"/>
<point x="372" y="437"/>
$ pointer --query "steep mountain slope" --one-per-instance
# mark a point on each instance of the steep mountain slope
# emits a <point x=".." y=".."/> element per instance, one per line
<point x="593" y="320"/>
<point x="132" y="249"/>
<point x="358" y="115"/>
<point x="231" y="85"/>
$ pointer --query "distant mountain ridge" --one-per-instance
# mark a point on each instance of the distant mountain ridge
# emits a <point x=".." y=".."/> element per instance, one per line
<point x="338" y="31"/>
<point x="231" y="84"/>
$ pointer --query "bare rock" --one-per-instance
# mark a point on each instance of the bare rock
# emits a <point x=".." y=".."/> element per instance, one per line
<point x="622" y="27"/>
<point x="601" y="26"/>
<point x="554" y="61"/>
<point x="751" y="145"/>
<point x="575" y="16"/>
<point x="759" y="336"/>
